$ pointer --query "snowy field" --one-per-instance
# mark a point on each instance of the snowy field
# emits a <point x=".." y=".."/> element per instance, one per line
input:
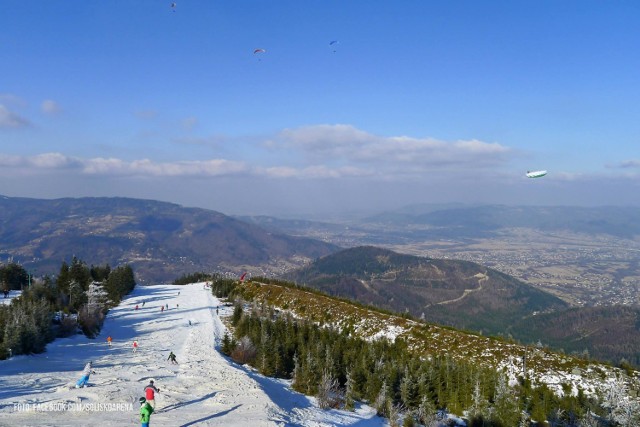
<point x="204" y="389"/>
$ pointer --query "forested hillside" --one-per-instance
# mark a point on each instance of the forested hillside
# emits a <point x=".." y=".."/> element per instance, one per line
<point x="77" y="300"/>
<point x="341" y="352"/>
<point x="160" y="240"/>
<point x="449" y="292"/>
<point x="603" y="333"/>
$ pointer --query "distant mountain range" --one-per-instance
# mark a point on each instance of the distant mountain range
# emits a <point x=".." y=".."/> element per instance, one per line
<point x="160" y="240"/>
<point x="469" y="220"/>
<point x="424" y="222"/>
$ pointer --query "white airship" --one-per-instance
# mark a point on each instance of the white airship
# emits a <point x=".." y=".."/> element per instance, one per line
<point x="536" y="174"/>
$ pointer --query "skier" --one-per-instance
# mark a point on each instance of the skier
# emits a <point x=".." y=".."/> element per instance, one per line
<point x="145" y="412"/>
<point x="167" y="306"/>
<point x="162" y="309"/>
<point x="109" y="340"/>
<point x="86" y="372"/>
<point x="143" y="302"/>
<point x="172" y="358"/>
<point x="150" y="393"/>
<point x="135" y="345"/>
<point x="136" y="306"/>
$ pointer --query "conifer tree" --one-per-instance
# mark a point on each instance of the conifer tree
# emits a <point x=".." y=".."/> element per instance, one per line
<point x="64" y="279"/>
<point x="427" y="412"/>
<point x="226" y="347"/>
<point x="505" y="406"/>
<point x="77" y="296"/>
<point x="381" y="403"/>
<point x="327" y="390"/>
<point x="80" y="273"/>
<point x="407" y="388"/>
<point x="349" y="398"/>
<point x="296" y="375"/>
<point x="480" y="405"/>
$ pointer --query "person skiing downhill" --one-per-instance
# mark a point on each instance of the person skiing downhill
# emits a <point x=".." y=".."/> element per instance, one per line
<point x="86" y="373"/>
<point x="145" y="412"/>
<point x="109" y="339"/>
<point x="150" y="394"/>
<point x="135" y="345"/>
<point x="172" y="358"/>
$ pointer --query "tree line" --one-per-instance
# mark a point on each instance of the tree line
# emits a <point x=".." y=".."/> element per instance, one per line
<point x="77" y="298"/>
<point x="340" y="368"/>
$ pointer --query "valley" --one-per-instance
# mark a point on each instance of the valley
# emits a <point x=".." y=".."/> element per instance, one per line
<point x="586" y="256"/>
<point x="583" y="270"/>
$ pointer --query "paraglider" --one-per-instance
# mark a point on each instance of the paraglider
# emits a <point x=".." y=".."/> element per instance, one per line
<point x="333" y="43"/>
<point x="536" y="174"/>
<point x="173" y="7"/>
<point x="258" y="51"/>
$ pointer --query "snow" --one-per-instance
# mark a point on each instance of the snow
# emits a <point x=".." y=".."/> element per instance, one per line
<point x="9" y="298"/>
<point x="204" y="389"/>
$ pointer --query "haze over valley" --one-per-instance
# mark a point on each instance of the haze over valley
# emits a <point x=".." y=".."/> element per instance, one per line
<point x="586" y="256"/>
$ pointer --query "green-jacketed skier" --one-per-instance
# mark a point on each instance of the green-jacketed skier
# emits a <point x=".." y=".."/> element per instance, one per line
<point x="145" y="412"/>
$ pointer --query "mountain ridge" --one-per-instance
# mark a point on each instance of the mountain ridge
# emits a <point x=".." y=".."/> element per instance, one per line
<point x="457" y="293"/>
<point x="161" y="240"/>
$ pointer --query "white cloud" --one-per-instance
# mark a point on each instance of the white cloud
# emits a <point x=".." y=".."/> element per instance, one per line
<point x="281" y="172"/>
<point x="118" y="167"/>
<point x="631" y="164"/>
<point x="7" y="160"/>
<point x="11" y="120"/>
<point x="324" y="138"/>
<point x="53" y="161"/>
<point x="12" y="100"/>
<point x="189" y="123"/>
<point x="214" y="167"/>
<point x="50" y="107"/>
<point x="347" y="144"/>
<point x="311" y="172"/>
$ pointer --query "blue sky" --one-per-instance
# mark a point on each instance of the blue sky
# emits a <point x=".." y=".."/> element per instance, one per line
<point x="418" y="102"/>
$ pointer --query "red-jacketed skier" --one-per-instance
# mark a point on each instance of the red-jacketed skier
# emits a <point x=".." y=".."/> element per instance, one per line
<point x="150" y="394"/>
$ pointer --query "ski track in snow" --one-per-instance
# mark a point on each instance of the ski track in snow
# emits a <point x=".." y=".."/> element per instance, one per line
<point x="204" y="389"/>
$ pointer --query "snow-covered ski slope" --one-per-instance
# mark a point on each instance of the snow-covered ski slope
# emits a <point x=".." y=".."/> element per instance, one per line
<point x="204" y="389"/>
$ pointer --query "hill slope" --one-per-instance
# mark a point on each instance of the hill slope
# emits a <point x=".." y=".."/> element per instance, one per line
<point x="605" y="333"/>
<point x="457" y="293"/>
<point x="161" y="240"/>
<point x="427" y="340"/>
<point x="204" y="389"/>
